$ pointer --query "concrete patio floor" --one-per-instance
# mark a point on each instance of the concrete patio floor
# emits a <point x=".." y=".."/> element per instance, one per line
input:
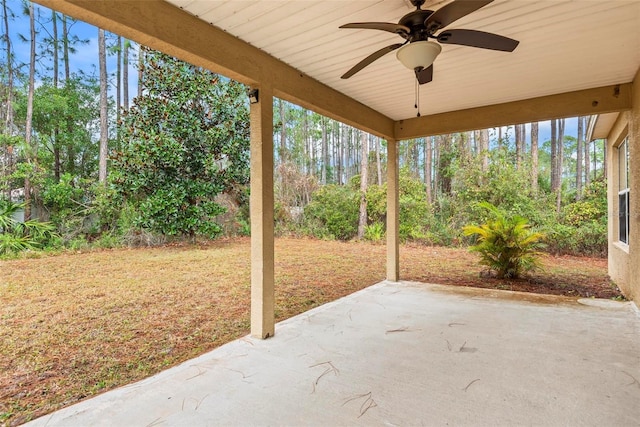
<point x="403" y="354"/>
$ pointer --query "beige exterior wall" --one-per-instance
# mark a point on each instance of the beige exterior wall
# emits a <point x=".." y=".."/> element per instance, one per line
<point x="624" y="260"/>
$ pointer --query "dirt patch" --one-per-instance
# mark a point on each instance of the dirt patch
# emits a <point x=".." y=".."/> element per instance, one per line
<point x="78" y="324"/>
<point x="559" y="275"/>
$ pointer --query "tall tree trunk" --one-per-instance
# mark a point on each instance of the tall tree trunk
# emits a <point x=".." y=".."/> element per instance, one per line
<point x="604" y="158"/>
<point x="378" y="162"/>
<point x="483" y="148"/>
<point x="445" y="163"/>
<point x="56" y="131"/>
<point x="125" y="74"/>
<point x="364" y="174"/>
<point x="324" y="151"/>
<point x="306" y="149"/>
<point x="436" y="165"/>
<point x="104" y="130"/>
<point x="428" y="166"/>
<point x="283" y="132"/>
<point x="65" y="49"/>
<point x="31" y="151"/>
<point x="519" y="129"/>
<point x="140" y="68"/>
<point x="9" y="107"/>
<point x="118" y="77"/>
<point x="560" y="156"/>
<point x="534" y="157"/>
<point x="340" y="152"/>
<point x="71" y="155"/>
<point x="416" y="158"/>
<point x="7" y="39"/>
<point x="55" y="42"/>
<point x="465" y="145"/>
<point x="587" y="163"/>
<point x="579" y="154"/>
<point x="554" y="155"/>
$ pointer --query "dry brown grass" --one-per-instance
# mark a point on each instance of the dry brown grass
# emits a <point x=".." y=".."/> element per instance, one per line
<point x="75" y="325"/>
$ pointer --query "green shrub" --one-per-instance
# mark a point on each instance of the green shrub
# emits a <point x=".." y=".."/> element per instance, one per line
<point x="377" y="203"/>
<point x="506" y="244"/>
<point x="108" y="240"/>
<point x="333" y="212"/>
<point x="21" y="236"/>
<point x="374" y="232"/>
<point x="589" y="238"/>
<point x="415" y="214"/>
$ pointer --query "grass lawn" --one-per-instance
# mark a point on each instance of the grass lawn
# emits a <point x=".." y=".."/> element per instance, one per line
<point x="77" y="324"/>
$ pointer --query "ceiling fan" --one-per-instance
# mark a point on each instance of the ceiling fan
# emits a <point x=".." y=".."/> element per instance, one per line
<point x="417" y="27"/>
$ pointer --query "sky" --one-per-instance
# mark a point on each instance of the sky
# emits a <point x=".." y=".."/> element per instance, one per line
<point x="86" y="56"/>
<point x="86" y="59"/>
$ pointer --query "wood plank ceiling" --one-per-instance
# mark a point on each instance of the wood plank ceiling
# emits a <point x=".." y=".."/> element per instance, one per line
<point x="564" y="46"/>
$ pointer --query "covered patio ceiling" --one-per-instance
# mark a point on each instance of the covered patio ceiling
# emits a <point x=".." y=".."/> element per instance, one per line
<point x="564" y="46"/>
<point x="571" y="56"/>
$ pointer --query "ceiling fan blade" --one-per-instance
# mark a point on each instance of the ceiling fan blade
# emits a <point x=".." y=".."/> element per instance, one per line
<point x="478" y="39"/>
<point x="425" y="75"/>
<point x="369" y="59"/>
<point x="452" y="12"/>
<point x="383" y="26"/>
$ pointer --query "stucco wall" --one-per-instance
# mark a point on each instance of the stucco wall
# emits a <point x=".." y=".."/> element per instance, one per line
<point x="618" y="253"/>
<point x="624" y="260"/>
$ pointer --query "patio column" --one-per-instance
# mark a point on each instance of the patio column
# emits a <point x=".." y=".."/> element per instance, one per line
<point x="261" y="206"/>
<point x="393" y="201"/>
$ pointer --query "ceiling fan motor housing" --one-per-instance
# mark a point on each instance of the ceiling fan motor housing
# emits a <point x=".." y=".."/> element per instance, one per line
<point x="415" y="22"/>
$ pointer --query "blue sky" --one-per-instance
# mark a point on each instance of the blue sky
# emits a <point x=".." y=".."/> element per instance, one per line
<point x="86" y="56"/>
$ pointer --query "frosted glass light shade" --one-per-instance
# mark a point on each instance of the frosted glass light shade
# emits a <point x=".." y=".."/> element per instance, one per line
<point x="418" y="54"/>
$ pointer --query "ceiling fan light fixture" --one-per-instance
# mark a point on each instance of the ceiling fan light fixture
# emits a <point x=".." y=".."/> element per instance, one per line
<point x="419" y="54"/>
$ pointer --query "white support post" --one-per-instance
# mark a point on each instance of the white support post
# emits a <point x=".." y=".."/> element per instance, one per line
<point x="393" y="202"/>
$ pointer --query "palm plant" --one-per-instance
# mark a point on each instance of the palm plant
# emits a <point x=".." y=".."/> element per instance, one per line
<point x="506" y="244"/>
<point x="18" y="236"/>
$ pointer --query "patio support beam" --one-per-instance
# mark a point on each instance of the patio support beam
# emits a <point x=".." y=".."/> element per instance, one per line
<point x="393" y="202"/>
<point x="164" y="27"/>
<point x="586" y="102"/>
<point x="261" y="207"/>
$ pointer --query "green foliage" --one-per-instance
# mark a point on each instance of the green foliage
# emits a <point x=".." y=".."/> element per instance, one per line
<point x="582" y="229"/>
<point x="374" y="232"/>
<point x="580" y="212"/>
<point x="503" y="185"/>
<point x="415" y="212"/>
<point x="333" y="212"/>
<point x="588" y="238"/>
<point x="183" y="142"/>
<point x="64" y="119"/>
<point x="506" y="243"/>
<point x="377" y="203"/>
<point x="18" y="236"/>
<point x="414" y="208"/>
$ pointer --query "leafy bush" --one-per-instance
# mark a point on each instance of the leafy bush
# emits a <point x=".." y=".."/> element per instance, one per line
<point x="582" y="226"/>
<point x="333" y="212"/>
<point x="374" y="232"/>
<point x="18" y="236"/>
<point x="506" y="244"/>
<point x="182" y="143"/>
<point x="589" y="238"/>
<point x="415" y="214"/>
<point x="501" y="185"/>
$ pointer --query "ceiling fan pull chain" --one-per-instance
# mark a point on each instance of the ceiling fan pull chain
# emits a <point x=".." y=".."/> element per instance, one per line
<point x="417" y="103"/>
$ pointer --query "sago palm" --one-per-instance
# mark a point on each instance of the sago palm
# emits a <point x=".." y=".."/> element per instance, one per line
<point x="506" y="244"/>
